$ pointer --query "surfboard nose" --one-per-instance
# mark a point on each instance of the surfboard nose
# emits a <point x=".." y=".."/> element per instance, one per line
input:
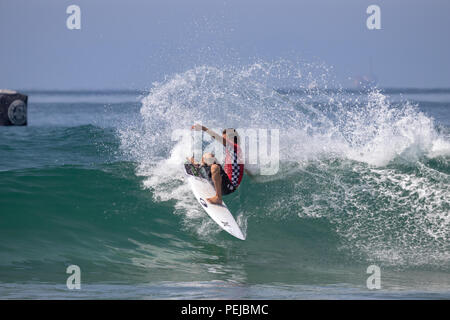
<point x="238" y="234"/>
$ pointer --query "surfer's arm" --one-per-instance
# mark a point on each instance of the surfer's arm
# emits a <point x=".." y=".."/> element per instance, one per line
<point x="213" y="134"/>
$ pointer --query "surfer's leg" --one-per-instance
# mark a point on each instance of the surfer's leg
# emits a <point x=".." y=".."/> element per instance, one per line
<point x="217" y="180"/>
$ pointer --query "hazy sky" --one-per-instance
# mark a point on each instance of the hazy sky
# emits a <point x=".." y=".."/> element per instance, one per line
<point x="131" y="43"/>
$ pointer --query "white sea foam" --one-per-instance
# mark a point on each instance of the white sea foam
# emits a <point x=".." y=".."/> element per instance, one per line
<point x="386" y="213"/>
<point x="314" y="124"/>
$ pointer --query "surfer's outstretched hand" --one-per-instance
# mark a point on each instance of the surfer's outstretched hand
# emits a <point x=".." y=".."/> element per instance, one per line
<point x="197" y="127"/>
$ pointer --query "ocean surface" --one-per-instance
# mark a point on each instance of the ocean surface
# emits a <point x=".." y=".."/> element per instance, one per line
<point x="95" y="180"/>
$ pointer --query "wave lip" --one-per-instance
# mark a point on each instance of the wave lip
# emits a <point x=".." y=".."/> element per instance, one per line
<point x="359" y="160"/>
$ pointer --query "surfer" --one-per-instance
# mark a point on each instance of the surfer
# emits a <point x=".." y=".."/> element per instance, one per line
<point x="226" y="179"/>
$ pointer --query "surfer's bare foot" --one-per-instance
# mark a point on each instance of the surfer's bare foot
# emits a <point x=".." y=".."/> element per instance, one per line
<point x="215" y="200"/>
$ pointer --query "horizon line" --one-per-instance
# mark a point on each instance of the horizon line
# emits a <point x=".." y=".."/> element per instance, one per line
<point x="286" y="90"/>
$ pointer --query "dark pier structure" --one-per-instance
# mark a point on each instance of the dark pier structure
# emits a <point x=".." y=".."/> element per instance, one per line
<point x="13" y="108"/>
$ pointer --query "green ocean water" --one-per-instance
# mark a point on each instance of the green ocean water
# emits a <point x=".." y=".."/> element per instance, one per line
<point x="95" y="180"/>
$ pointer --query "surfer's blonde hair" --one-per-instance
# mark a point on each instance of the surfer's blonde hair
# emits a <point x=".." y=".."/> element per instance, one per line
<point x="232" y="135"/>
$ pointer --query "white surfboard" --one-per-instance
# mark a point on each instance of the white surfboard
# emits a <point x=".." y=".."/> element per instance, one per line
<point x="202" y="190"/>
